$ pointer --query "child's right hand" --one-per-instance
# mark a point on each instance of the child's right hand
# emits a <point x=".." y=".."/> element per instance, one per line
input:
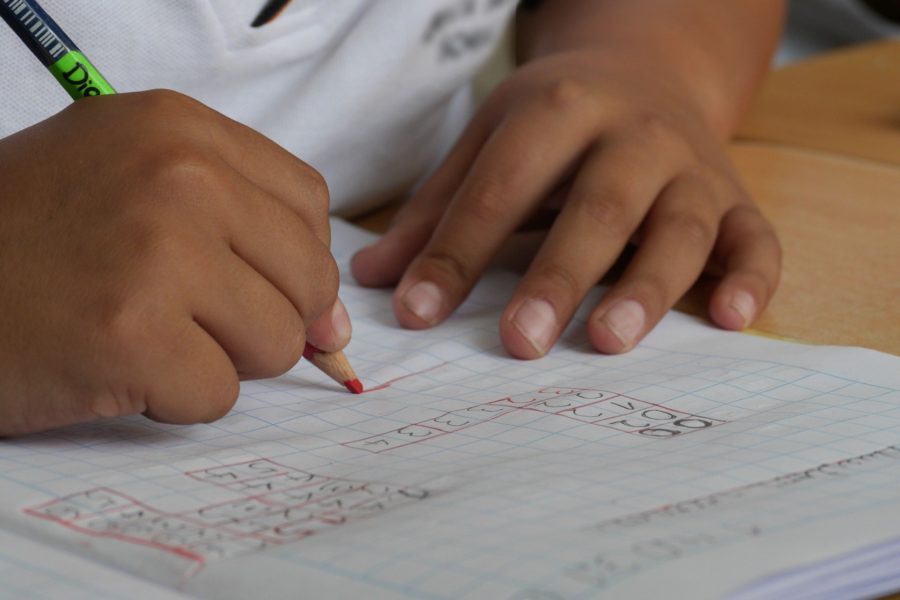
<point x="153" y="253"/>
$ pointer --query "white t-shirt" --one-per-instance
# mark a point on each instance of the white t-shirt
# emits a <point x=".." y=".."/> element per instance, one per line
<point x="819" y="25"/>
<point x="369" y="92"/>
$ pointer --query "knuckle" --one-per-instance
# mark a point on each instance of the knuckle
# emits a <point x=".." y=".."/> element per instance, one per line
<point x="180" y="170"/>
<point x="692" y="227"/>
<point x="653" y="291"/>
<point x="568" y="94"/>
<point x="561" y="279"/>
<point x="487" y="200"/>
<point x="166" y="104"/>
<point x="124" y="330"/>
<point x="608" y="208"/>
<point x="449" y="267"/>
<point x="653" y="128"/>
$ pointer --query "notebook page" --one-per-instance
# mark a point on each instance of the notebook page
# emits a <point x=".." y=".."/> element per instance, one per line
<point x="32" y="570"/>
<point x="462" y="473"/>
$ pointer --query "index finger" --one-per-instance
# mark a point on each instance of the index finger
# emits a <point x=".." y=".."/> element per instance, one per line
<point x="517" y="167"/>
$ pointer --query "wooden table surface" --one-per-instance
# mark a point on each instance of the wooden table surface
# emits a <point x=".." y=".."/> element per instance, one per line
<point x="825" y="167"/>
<point x="838" y="219"/>
<point x="846" y="102"/>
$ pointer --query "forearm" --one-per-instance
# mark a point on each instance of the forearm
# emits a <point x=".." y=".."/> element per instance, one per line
<point x="718" y="51"/>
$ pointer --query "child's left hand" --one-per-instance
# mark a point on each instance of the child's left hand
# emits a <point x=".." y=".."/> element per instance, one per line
<point x="632" y="157"/>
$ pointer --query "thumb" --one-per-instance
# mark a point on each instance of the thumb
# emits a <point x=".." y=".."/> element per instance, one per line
<point x="331" y="331"/>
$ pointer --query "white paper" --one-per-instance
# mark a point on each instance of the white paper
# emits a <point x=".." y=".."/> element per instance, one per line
<point x="32" y="570"/>
<point x="692" y="466"/>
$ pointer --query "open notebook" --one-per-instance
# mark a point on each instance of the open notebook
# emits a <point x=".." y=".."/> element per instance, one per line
<point x="692" y="467"/>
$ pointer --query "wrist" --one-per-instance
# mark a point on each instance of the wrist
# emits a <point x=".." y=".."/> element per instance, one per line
<point x="676" y="80"/>
<point x="717" y="55"/>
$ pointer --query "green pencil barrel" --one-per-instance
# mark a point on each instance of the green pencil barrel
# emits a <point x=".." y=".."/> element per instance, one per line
<point x="76" y="73"/>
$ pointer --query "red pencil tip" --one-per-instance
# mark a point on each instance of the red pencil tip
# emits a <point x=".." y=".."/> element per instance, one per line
<point x="354" y="386"/>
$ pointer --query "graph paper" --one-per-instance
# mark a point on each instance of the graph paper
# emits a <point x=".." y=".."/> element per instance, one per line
<point x="696" y="463"/>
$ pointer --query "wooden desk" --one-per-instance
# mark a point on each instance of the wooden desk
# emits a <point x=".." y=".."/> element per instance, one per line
<point x="846" y="102"/>
<point x="839" y="224"/>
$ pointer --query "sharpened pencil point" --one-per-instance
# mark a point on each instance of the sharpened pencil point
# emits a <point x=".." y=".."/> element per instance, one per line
<point x="335" y="365"/>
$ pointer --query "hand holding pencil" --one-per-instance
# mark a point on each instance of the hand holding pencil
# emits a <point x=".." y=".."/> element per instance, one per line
<point x="152" y="277"/>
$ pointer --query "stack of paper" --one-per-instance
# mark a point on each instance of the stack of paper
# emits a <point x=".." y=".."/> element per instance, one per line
<point x="866" y="573"/>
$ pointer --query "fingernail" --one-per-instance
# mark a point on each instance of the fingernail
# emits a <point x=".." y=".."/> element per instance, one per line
<point x="743" y="304"/>
<point x="626" y="321"/>
<point x="536" y="321"/>
<point x="424" y="300"/>
<point x="340" y="321"/>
